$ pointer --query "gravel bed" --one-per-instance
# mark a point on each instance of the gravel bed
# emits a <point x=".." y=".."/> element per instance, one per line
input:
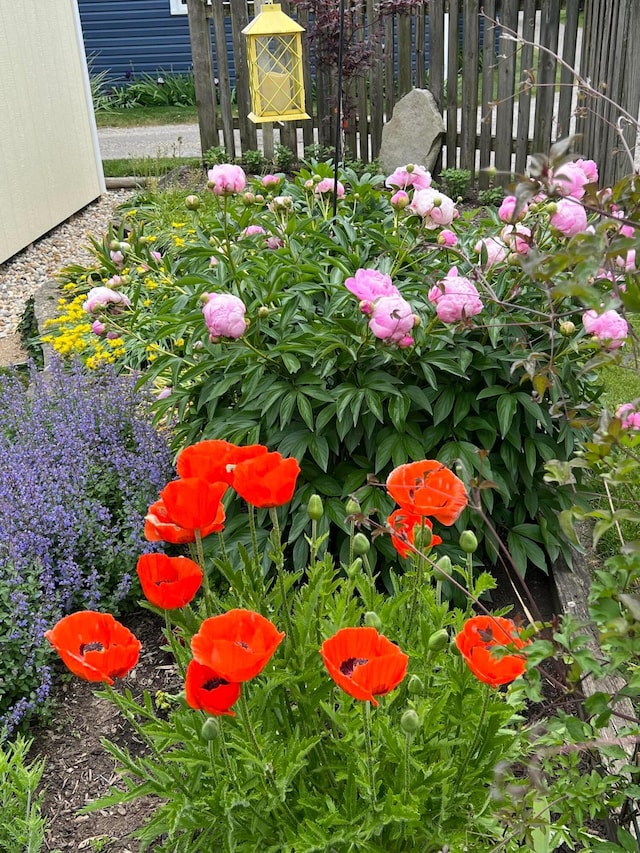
<point x="22" y="275"/>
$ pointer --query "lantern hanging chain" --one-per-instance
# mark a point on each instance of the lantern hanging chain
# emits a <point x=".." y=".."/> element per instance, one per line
<point x="338" y="110"/>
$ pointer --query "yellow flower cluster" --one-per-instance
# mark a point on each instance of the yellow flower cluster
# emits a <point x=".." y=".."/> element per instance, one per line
<point x="71" y="335"/>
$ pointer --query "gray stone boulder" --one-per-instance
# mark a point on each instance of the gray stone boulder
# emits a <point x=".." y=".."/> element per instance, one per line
<point x="413" y="134"/>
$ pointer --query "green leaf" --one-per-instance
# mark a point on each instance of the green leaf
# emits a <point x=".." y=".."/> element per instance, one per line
<point x="506" y="408"/>
<point x="306" y="412"/>
<point x="443" y="405"/>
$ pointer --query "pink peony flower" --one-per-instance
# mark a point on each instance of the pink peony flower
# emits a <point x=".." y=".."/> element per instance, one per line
<point x="590" y="168"/>
<point x="517" y="238"/>
<point x="434" y="207"/>
<point x="455" y="298"/>
<point x="224" y="316"/>
<point x="369" y="285"/>
<point x="252" y="230"/>
<point x="409" y="176"/>
<point x="100" y="297"/>
<point x="569" y="218"/>
<point x="569" y="180"/>
<point x="628" y="261"/>
<point x="609" y="327"/>
<point x="629" y="416"/>
<point x="327" y="185"/>
<point x="117" y="257"/>
<point x="98" y="328"/>
<point x="447" y="238"/>
<point x="496" y="250"/>
<point x="157" y="256"/>
<point x="269" y="181"/>
<point x="392" y="319"/>
<point x="275" y="242"/>
<point x="226" y="178"/>
<point x="507" y="211"/>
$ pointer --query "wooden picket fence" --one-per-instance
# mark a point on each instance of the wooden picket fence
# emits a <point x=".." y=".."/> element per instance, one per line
<point x="499" y="71"/>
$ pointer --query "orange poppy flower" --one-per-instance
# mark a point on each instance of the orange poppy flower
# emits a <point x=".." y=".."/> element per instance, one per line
<point x="168" y="582"/>
<point x="266" y="480"/>
<point x="95" y="646"/>
<point x="479" y="636"/>
<point x="236" y="645"/>
<point x="215" y="459"/>
<point x="364" y="663"/>
<point x="404" y="524"/>
<point x="428" y="488"/>
<point x="206" y="691"/>
<point x="184" y="507"/>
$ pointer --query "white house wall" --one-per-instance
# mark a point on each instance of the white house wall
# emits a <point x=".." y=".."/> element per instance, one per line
<point x="49" y="157"/>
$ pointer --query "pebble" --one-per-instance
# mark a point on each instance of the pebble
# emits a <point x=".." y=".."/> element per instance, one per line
<point x="22" y="275"/>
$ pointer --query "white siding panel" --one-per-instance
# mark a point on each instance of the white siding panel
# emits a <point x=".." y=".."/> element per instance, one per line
<point x="49" y="157"/>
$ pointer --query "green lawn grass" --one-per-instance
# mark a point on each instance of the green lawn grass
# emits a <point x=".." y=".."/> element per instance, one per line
<point x="145" y="116"/>
<point x="146" y="167"/>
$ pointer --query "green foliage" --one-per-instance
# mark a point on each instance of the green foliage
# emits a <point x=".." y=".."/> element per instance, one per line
<point x="21" y="823"/>
<point x="491" y="197"/>
<point x="216" y="155"/>
<point x="457" y="182"/>
<point x="253" y="161"/>
<point x="163" y="89"/>
<point x="283" y="158"/>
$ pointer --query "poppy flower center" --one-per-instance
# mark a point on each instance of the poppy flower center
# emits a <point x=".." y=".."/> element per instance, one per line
<point x="91" y="647"/>
<point x="214" y="683"/>
<point x="347" y="667"/>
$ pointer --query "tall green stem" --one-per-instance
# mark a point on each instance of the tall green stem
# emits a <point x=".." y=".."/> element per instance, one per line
<point x="408" y="738"/>
<point x="208" y="597"/>
<point x="366" y="723"/>
<point x="417" y="589"/>
<point x="246" y="721"/>
<point x="476" y="737"/>
<point x="278" y="554"/>
<point x="254" y="535"/>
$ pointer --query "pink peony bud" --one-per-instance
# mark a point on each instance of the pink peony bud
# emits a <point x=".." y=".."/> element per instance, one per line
<point x="100" y="297"/>
<point x="400" y="200"/>
<point x="447" y="238"/>
<point x="328" y="185"/>
<point x="271" y="181"/>
<point x="496" y="250"/>
<point x="509" y="211"/>
<point x="569" y="218"/>
<point x="629" y="416"/>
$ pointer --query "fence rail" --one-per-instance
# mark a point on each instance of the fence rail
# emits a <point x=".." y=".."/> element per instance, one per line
<point x="500" y="71"/>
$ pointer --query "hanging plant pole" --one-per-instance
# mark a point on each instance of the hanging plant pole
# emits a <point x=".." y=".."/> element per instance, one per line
<point x="338" y="111"/>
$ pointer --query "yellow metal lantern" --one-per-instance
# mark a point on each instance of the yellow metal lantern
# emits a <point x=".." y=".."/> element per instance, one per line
<point x="274" y="46"/>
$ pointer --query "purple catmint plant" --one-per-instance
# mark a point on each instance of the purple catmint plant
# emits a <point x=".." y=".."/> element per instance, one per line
<point x="79" y="464"/>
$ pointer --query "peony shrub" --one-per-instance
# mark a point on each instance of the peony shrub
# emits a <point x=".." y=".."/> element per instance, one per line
<point x="393" y="331"/>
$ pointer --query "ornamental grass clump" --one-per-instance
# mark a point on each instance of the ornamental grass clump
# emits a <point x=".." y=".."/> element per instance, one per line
<point x="79" y="462"/>
<point x="398" y="329"/>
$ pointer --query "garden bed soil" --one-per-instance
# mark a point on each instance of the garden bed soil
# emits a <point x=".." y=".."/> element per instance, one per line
<point x="79" y="770"/>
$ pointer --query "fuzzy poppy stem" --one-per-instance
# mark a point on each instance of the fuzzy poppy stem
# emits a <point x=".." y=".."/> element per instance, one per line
<point x="417" y="586"/>
<point x="278" y="555"/>
<point x="366" y="722"/>
<point x="208" y="598"/>
<point x="408" y="738"/>
<point x="254" y="536"/>
<point x="246" y="720"/>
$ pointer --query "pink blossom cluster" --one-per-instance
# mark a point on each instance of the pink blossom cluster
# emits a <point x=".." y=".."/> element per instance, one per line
<point x="609" y="327"/>
<point x="226" y="178"/>
<point x="101" y="297"/>
<point x="391" y="317"/>
<point x="455" y="297"/>
<point x="327" y="186"/>
<point x="569" y="217"/>
<point x="629" y="415"/>
<point x="407" y="176"/>
<point x="224" y="316"/>
<point x="435" y="208"/>
<point x="571" y="178"/>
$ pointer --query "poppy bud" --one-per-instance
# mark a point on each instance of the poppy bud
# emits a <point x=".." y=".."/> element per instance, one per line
<point x="468" y="541"/>
<point x="372" y="620"/>
<point x="415" y="685"/>
<point x="192" y="202"/>
<point x="352" y="507"/>
<point x="361" y="544"/>
<point x="423" y="538"/>
<point x="410" y="722"/>
<point x="355" y="568"/>
<point x="438" y="640"/>
<point x="444" y="564"/>
<point x="315" y="510"/>
<point x="210" y="729"/>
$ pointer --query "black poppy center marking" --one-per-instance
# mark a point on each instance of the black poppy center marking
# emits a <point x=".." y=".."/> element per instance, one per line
<point x="241" y="644"/>
<point x="214" y="683"/>
<point x="91" y="647"/>
<point x="347" y="667"/>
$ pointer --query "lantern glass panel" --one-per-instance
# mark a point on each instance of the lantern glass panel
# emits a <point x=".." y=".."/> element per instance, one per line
<point x="279" y="80"/>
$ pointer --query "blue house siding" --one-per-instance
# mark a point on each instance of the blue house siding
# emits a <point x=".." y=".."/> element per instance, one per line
<point x="137" y="36"/>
